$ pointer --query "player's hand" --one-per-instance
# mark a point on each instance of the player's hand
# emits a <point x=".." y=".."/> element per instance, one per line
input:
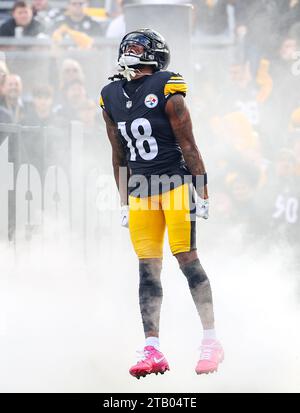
<point x="124" y="216"/>
<point x="202" y="208"/>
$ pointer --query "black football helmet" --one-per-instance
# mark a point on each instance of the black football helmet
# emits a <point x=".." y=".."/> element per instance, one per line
<point x="156" y="50"/>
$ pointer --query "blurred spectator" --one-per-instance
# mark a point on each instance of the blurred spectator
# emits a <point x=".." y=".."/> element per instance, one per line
<point x="76" y="19"/>
<point x="116" y="28"/>
<point x="22" y="22"/>
<point x="41" y="113"/>
<point x="74" y="93"/>
<point x="39" y="6"/>
<point x="234" y="133"/>
<point x="66" y="72"/>
<point x="246" y="93"/>
<point x="12" y="98"/>
<point x="288" y="48"/>
<point x="242" y="92"/>
<point x="113" y="8"/>
<point x="43" y="13"/>
<point x="257" y="24"/>
<point x="211" y="17"/>
<point x="88" y="114"/>
<point x="275" y="16"/>
<point x="237" y="200"/>
<point x="3" y="73"/>
<point x="5" y="116"/>
<point x="286" y="83"/>
<point x="289" y="15"/>
<point x="93" y="147"/>
<point x="284" y="199"/>
<point x="294" y="125"/>
<point x="71" y="70"/>
<point x="242" y="182"/>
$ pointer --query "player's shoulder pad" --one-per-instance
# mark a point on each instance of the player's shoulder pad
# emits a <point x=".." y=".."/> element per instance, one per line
<point x="174" y="84"/>
<point x="105" y="92"/>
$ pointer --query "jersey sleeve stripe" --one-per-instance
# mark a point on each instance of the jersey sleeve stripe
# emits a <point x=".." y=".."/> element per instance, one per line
<point x="101" y="102"/>
<point x="176" y="81"/>
<point x="172" y="88"/>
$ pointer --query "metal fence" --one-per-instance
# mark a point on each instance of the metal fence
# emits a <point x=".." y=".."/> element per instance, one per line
<point x="35" y="60"/>
<point x="55" y="184"/>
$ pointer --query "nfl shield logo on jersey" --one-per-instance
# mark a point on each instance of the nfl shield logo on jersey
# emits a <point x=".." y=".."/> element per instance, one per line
<point x="151" y="101"/>
<point x="128" y="104"/>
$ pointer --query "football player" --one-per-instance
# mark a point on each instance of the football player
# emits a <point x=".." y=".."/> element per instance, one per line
<point x="150" y="131"/>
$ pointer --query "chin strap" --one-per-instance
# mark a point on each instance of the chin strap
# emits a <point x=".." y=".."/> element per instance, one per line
<point x="126" y="64"/>
<point x="128" y="72"/>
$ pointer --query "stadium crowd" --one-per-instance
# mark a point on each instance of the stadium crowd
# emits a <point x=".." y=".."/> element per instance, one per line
<point x="247" y="120"/>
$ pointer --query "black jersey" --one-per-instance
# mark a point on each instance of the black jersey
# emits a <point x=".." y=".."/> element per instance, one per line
<point x="144" y="128"/>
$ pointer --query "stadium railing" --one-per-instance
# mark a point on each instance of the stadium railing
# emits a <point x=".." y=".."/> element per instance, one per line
<point x="8" y="4"/>
<point x="50" y="183"/>
<point x="34" y="58"/>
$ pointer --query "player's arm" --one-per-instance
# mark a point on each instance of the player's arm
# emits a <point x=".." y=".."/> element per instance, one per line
<point x="118" y="158"/>
<point x="181" y="123"/>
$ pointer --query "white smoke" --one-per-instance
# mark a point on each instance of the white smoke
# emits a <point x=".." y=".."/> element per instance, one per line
<point x="69" y="315"/>
<point x="72" y="326"/>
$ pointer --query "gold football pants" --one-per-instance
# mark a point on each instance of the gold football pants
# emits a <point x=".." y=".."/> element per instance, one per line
<point x="148" y="218"/>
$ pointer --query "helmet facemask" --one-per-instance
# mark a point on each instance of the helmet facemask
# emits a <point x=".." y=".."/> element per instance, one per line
<point x="129" y="60"/>
<point x="154" y="53"/>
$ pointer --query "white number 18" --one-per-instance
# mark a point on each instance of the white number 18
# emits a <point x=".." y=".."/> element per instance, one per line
<point x="141" y="137"/>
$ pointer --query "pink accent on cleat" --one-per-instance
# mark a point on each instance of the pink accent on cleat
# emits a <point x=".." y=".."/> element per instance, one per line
<point x="153" y="361"/>
<point x="211" y="355"/>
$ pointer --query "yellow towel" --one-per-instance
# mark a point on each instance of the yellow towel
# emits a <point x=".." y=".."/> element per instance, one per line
<point x="264" y="80"/>
<point x="81" y="39"/>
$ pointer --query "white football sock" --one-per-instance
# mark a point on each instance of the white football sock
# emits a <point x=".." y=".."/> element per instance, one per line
<point x="152" y="341"/>
<point x="209" y="334"/>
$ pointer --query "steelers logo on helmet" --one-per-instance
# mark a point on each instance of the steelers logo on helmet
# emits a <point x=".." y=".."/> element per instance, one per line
<point x="151" y="101"/>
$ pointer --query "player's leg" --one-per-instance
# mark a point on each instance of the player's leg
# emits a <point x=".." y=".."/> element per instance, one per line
<point x="147" y="227"/>
<point x="200" y="288"/>
<point x="182" y="237"/>
<point x="150" y="297"/>
<point x="211" y="350"/>
<point x="180" y="220"/>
